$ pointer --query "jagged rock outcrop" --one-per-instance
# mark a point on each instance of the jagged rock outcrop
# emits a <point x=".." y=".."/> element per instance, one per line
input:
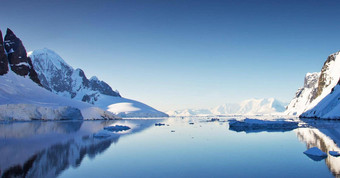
<point x="305" y="95"/>
<point x="3" y="57"/>
<point x="325" y="78"/>
<point x="17" y="57"/>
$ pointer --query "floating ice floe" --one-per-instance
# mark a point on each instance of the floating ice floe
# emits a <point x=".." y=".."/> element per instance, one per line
<point x="315" y="154"/>
<point x="117" y="128"/>
<point x="257" y="125"/>
<point x="334" y="153"/>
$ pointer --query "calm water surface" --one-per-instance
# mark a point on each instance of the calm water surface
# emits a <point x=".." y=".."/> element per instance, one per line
<point x="183" y="147"/>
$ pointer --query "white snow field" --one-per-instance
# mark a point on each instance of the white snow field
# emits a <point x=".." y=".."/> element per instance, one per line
<point x="23" y="99"/>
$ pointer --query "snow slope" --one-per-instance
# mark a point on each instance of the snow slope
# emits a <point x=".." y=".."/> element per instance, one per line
<point x="327" y="108"/>
<point x="22" y="99"/>
<point x="320" y="97"/>
<point x="60" y="78"/>
<point x="246" y="107"/>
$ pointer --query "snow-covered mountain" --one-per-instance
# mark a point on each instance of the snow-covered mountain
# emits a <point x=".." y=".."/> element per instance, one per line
<point x="246" y="107"/>
<point x="23" y="98"/>
<point x="252" y="107"/>
<point x="320" y="95"/>
<point x="60" y="78"/>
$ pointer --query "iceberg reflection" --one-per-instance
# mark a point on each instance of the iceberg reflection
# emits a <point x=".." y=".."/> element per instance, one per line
<point x="325" y="135"/>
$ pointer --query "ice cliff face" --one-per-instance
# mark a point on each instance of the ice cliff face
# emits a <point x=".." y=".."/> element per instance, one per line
<point x="246" y="107"/>
<point x="319" y="97"/>
<point x="60" y="78"/>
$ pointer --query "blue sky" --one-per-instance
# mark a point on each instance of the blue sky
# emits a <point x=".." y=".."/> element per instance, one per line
<point x="178" y="54"/>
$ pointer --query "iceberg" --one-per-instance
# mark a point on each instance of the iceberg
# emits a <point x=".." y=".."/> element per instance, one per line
<point x="117" y="128"/>
<point x="334" y="153"/>
<point x="315" y="154"/>
<point x="256" y="125"/>
<point x="315" y="151"/>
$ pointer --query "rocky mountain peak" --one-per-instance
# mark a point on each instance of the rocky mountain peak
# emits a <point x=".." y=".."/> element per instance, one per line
<point x="3" y="57"/>
<point x="311" y="79"/>
<point x="52" y="69"/>
<point x="325" y="78"/>
<point x="17" y="57"/>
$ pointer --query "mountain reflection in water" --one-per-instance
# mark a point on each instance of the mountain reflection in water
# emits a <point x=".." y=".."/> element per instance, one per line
<point x="325" y="135"/>
<point x="45" y="149"/>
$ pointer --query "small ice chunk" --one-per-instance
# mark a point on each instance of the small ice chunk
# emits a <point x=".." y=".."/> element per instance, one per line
<point x="214" y="119"/>
<point x="117" y="128"/>
<point x="334" y="153"/>
<point x="315" y="151"/>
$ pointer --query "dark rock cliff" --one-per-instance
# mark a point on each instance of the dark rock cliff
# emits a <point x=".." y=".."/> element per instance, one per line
<point x="3" y="57"/>
<point x="17" y="57"/>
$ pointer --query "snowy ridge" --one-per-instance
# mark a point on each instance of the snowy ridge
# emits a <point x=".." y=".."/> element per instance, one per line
<point x="246" y="107"/>
<point x="22" y="99"/>
<point x="60" y="78"/>
<point x="57" y="61"/>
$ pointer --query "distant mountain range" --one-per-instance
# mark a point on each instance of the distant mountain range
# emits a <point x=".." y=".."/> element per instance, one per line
<point x="247" y="107"/>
